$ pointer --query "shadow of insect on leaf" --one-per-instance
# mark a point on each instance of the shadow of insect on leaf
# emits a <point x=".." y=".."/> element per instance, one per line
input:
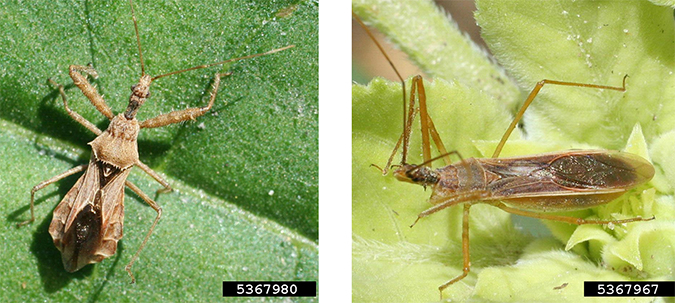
<point x="87" y="224"/>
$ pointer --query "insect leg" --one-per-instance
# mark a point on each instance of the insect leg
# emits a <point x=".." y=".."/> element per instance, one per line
<point x="408" y="117"/>
<point x="427" y="125"/>
<point x="154" y="206"/>
<point x="88" y="90"/>
<point x="465" y="251"/>
<point x="566" y="219"/>
<point x="534" y="93"/>
<point x="447" y="202"/>
<point x="43" y="184"/>
<point x="428" y="128"/>
<point x="167" y="188"/>
<point x="73" y="114"/>
<point x="186" y="114"/>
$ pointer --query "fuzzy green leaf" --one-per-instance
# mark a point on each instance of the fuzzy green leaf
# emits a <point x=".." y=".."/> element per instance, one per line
<point x="566" y="40"/>
<point x="383" y="208"/>
<point x="437" y="46"/>
<point x="588" y="45"/>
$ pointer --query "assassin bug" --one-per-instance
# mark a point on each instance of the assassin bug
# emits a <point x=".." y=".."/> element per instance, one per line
<point x="87" y="223"/>
<point x="525" y="185"/>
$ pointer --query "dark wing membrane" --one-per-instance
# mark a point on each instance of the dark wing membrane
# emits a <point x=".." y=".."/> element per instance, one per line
<point x="601" y="170"/>
<point x="584" y="172"/>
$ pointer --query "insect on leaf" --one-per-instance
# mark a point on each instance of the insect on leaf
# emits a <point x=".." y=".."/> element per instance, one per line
<point x="217" y="212"/>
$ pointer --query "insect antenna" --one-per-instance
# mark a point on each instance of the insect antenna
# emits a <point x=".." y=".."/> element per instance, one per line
<point x="138" y="37"/>
<point x="140" y="53"/>
<point x="454" y="152"/>
<point x="409" y="112"/>
<point x="404" y="136"/>
<point x="223" y="62"/>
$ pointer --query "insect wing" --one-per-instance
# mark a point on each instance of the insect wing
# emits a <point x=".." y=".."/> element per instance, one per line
<point x="89" y="217"/>
<point x="565" y="181"/>
<point x="601" y="169"/>
<point x="112" y="205"/>
<point x="81" y="195"/>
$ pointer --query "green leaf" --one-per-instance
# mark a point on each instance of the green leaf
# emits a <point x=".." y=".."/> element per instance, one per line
<point x="588" y="45"/>
<point x="383" y="208"/>
<point x="565" y="40"/>
<point x="544" y="273"/>
<point x="437" y="46"/>
<point x="245" y="173"/>
<point x="664" y="2"/>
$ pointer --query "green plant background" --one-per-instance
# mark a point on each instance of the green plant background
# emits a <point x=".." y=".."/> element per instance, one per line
<point x="472" y="101"/>
<point x="245" y="174"/>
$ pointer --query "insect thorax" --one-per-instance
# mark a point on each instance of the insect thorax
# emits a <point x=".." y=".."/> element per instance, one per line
<point x="117" y="145"/>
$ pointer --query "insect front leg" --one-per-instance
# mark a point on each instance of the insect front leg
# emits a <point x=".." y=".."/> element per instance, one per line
<point x="427" y="124"/>
<point x="446" y="202"/>
<point x="186" y="114"/>
<point x="43" y="184"/>
<point x="89" y="90"/>
<point x="417" y="92"/>
<point x="154" y="206"/>
<point x="73" y="114"/>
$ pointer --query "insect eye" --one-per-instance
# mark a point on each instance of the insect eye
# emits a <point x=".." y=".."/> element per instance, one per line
<point x="133" y="87"/>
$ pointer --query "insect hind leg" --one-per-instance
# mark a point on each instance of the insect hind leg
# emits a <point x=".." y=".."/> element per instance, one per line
<point x="43" y="184"/>
<point x="534" y="93"/>
<point x="154" y="206"/>
<point x="566" y="219"/>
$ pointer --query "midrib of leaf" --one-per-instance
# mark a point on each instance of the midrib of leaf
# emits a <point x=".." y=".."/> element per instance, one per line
<point x="137" y="221"/>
